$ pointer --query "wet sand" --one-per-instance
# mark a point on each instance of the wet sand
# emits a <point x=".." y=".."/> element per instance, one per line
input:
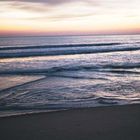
<point x="100" y="123"/>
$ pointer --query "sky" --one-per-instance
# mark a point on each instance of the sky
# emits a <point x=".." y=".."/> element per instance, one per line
<point x="69" y="17"/>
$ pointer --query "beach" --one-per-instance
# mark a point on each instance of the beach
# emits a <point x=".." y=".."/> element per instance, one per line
<point x="99" y="123"/>
<point x="69" y="70"/>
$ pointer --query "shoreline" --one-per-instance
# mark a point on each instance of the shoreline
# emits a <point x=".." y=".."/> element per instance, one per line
<point x="107" y="123"/>
<point x="41" y="112"/>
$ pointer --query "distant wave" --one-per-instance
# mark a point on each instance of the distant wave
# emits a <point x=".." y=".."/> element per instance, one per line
<point x="58" y="46"/>
<point x="72" y="51"/>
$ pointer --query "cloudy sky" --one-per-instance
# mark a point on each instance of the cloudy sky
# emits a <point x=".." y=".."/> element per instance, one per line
<point x="44" y="17"/>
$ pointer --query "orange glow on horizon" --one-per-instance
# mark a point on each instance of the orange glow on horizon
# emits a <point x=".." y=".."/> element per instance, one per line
<point x="70" y="18"/>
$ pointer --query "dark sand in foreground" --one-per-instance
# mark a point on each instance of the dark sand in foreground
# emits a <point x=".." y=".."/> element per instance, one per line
<point x="101" y="123"/>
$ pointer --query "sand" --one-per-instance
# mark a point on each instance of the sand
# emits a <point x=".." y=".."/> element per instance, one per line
<point x="100" y="123"/>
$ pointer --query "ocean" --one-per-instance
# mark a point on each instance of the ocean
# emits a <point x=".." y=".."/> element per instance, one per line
<point x="49" y="73"/>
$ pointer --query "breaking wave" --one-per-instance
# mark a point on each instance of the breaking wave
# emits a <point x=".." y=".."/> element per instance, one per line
<point x="54" y="50"/>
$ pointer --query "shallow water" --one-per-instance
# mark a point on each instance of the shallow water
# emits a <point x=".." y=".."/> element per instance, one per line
<point x="52" y="73"/>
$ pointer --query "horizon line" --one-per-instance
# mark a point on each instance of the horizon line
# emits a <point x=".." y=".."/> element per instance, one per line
<point x="51" y="35"/>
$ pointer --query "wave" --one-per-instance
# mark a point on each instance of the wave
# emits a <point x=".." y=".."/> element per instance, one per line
<point x="58" y="46"/>
<point x="65" y="104"/>
<point x="107" y="101"/>
<point x="114" y="68"/>
<point x="79" y="77"/>
<point x="64" y="51"/>
<point x="123" y="66"/>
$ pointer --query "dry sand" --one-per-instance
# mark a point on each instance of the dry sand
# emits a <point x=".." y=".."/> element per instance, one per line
<point x="100" y="123"/>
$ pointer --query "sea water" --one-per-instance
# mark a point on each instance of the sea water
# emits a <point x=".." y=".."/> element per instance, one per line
<point x="49" y="73"/>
